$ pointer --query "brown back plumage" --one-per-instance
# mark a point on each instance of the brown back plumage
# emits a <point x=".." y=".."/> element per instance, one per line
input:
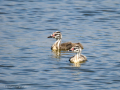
<point x="69" y="45"/>
<point x="66" y="46"/>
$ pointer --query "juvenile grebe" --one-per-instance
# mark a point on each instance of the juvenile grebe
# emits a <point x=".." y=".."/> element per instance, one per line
<point x="64" y="46"/>
<point x="79" y="58"/>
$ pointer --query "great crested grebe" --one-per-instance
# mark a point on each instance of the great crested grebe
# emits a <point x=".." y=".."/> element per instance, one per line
<point x="78" y="58"/>
<point x="64" y="46"/>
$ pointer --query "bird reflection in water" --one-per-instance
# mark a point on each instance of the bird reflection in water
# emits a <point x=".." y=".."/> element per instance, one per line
<point x="77" y="64"/>
<point x="56" y="53"/>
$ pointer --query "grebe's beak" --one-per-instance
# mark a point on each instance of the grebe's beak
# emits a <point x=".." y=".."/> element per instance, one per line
<point x="50" y="37"/>
<point x="71" y="49"/>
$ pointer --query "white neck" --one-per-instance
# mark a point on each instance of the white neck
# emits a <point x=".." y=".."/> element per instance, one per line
<point x="78" y="55"/>
<point x="57" y="43"/>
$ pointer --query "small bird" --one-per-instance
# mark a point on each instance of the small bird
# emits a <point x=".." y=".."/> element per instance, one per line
<point x="64" y="46"/>
<point x="78" y="58"/>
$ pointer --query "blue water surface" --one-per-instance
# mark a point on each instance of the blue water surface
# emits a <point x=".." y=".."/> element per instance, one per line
<point x="26" y="60"/>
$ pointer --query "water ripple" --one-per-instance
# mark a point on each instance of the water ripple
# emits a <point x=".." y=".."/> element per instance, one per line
<point x="26" y="60"/>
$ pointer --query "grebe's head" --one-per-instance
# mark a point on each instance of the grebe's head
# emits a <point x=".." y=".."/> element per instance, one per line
<point x="56" y="35"/>
<point x="76" y="49"/>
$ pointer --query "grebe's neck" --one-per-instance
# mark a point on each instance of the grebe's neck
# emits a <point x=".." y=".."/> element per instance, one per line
<point x="57" y="43"/>
<point x="78" y="55"/>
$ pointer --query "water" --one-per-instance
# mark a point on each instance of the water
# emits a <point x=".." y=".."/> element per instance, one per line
<point x="26" y="61"/>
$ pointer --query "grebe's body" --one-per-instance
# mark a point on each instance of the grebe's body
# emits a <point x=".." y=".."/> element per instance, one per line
<point x="64" y="46"/>
<point x="78" y="58"/>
